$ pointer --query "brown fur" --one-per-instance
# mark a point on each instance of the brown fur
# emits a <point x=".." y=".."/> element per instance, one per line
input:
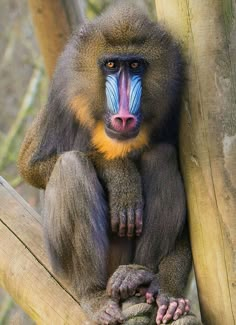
<point x="36" y="174"/>
<point x="79" y="105"/>
<point x="93" y="183"/>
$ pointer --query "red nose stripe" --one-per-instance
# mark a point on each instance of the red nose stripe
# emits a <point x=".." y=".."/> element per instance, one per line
<point x="124" y="90"/>
<point x="124" y="121"/>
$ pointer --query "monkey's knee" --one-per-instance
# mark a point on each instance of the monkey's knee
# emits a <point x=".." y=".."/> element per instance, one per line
<point x="74" y="192"/>
<point x="74" y="176"/>
<point x="71" y="166"/>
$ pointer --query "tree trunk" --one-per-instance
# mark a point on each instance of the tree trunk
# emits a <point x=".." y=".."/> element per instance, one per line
<point x="206" y="30"/>
<point x="25" y="271"/>
<point x="53" y="21"/>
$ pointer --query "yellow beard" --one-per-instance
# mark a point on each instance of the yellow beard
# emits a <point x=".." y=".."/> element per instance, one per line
<point x="112" y="148"/>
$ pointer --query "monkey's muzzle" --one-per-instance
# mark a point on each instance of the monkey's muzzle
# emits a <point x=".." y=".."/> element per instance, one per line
<point x="123" y="92"/>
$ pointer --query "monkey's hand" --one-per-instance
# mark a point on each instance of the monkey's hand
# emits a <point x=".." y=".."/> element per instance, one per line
<point x="128" y="280"/>
<point x="124" y="188"/>
<point x="126" y="201"/>
<point x="126" y="210"/>
<point x="170" y="308"/>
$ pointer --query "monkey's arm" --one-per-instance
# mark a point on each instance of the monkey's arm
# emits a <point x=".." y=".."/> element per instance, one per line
<point x="35" y="173"/>
<point x="123" y="184"/>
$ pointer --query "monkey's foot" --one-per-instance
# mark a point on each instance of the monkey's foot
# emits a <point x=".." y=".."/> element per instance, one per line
<point x="137" y="312"/>
<point x="170" y="308"/>
<point x="110" y="314"/>
<point x="127" y="279"/>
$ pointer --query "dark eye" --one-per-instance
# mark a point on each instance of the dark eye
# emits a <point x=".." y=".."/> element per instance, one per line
<point x="111" y="65"/>
<point x="135" y="65"/>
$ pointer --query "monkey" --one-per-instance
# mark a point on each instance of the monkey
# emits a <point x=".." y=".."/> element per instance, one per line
<point x="104" y="150"/>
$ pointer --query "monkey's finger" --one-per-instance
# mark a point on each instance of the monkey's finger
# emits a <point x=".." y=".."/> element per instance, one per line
<point x="131" y="283"/>
<point x="109" y="286"/>
<point x="141" y="291"/>
<point x="114" y="284"/>
<point x="162" y="303"/>
<point x="124" y="290"/>
<point x="128" y="286"/>
<point x="139" y="221"/>
<point x="170" y="311"/>
<point x="180" y="309"/>
<point x="123" y="223"/>
<point x="114" y="311"/>
<point x="152" y="291"/>
<point x="114" y="279"/>
<point x="107" y="319"/>
<point x="115" y="289"/>
<point x="130" y="215"/>
<point x="115" y="223"/>
<point x="160" y="314"/>
<point x="187" y="305"/>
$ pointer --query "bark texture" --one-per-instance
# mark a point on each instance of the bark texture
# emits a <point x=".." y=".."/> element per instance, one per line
<point x="206" y="30"/>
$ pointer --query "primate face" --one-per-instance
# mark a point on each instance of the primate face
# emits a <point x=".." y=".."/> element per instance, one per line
<point x="123" y="88"/>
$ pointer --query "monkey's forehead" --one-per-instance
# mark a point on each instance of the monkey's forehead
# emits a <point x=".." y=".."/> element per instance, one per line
<point x="122" y="29"/>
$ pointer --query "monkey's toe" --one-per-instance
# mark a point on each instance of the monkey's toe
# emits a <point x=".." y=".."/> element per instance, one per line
<point x="110" y="314"/>
<point x="170" y="308"/>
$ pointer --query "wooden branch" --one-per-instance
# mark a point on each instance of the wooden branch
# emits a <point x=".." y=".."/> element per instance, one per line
<point x="25" y="272"/>
<point x="52" y="29"/>
<point x="75" y="11"/>
<point x="207" y="31"/>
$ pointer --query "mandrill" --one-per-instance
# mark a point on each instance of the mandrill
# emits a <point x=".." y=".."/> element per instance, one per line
<point x="104" y="151"/>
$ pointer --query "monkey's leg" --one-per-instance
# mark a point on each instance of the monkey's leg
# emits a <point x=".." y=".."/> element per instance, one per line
<point x="164" y="218"/>
<point x="164" y="213"/>
<point x="76" y="231"/>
